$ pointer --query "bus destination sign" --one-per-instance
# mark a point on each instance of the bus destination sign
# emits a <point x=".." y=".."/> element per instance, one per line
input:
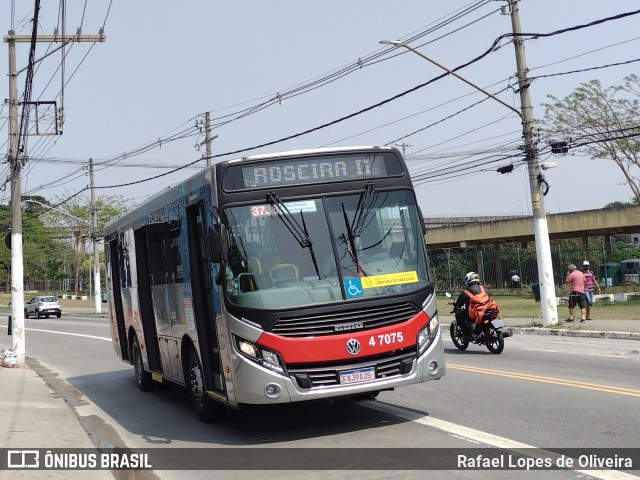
<point x="297" y="171"/>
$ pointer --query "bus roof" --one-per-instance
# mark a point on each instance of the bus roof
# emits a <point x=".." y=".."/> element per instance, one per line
<point x="305" y="152"/>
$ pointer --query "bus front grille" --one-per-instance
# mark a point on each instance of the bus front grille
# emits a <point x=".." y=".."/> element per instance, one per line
<point x="344" y="321"/>
<point x="308" y="377"/>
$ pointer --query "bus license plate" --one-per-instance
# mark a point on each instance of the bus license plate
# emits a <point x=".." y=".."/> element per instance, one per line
<point x="497" y="323"/>
<point x="357" y="376"/>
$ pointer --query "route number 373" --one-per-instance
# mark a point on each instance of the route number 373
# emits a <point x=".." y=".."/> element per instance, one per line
<point x="386" y="339"/>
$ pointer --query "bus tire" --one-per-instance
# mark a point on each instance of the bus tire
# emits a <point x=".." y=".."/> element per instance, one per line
<point x="208" y="410"/>
<point x="143" y="378"/>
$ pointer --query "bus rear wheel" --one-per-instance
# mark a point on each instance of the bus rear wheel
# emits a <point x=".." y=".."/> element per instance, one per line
<point x="207" y="409"/>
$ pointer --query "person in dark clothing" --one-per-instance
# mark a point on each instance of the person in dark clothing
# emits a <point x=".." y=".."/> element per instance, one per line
<point x="472" y="283"/>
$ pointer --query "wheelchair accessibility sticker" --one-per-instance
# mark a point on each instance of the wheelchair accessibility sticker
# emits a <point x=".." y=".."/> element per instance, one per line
<point x="354" y="287"/>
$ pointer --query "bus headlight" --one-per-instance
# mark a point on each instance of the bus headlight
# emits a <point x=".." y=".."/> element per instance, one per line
<point x="262" y="356"/>
<point x="427" y="334"/>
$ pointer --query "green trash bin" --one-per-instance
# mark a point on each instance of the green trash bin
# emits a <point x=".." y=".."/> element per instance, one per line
<point x="609" y="274"/>
<point x="535" y="288"/>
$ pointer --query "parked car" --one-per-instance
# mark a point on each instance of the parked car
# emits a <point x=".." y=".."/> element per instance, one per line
<point x="43" y="305"/>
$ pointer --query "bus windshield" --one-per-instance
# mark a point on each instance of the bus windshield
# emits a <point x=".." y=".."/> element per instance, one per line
<point x="324" y="249"/>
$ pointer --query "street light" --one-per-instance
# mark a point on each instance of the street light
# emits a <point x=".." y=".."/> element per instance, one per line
<point x="398" y="43"/>
<point x="548" y="305"/>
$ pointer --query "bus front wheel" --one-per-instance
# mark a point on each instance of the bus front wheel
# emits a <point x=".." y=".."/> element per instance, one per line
<point x="207" y="409"/>
<point x="143" y="378"/>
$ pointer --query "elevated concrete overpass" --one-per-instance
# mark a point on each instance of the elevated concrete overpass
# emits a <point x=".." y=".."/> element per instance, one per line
<point x="491" y="231"/>
<point x="583" y="224"/>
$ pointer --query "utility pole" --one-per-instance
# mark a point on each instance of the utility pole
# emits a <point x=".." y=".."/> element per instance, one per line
<point x="17" y="258"/>
<point x="404" y="148"/>
<point x="549" y="308"/>
<point x="207" y="137"/>
<point x="97" y="293"/>
<point x="17" y="266"/>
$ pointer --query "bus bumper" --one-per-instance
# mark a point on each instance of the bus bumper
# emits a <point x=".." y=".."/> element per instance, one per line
<point x="256" y="384"/>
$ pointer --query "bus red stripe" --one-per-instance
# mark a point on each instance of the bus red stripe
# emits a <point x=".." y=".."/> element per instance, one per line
<point x="333" y="347"/>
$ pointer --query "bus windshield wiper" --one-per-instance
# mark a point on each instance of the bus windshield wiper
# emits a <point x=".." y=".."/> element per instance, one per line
<point x="351" y="247"/>
<point x="365" y="205"/>
<point x="300" y="233"/>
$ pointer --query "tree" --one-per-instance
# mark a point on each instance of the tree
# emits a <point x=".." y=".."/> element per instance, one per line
<point x="603" y="123"/>
<point x="73" y="215"/>
<point x="38" y="247"/>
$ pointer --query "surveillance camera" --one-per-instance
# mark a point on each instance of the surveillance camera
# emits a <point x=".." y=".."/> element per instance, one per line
<point x="548" y="165"/>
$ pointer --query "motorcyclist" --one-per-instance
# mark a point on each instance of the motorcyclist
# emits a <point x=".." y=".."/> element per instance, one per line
<point x="461" y="305"/>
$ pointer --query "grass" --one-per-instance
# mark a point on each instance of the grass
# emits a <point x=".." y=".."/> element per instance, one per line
<point x="523" y="307"/>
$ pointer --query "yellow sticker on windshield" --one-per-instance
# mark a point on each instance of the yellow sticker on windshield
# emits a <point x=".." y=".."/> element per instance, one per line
<point x="389" y="279"/>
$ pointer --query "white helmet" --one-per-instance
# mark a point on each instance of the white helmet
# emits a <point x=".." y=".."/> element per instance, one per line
<point x="585" y="263"/>
<point x="471" y="277"/>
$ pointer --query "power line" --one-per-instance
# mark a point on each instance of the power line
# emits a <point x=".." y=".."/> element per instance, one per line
<point x="159" y="142"/>
<point x="586" y="69"/>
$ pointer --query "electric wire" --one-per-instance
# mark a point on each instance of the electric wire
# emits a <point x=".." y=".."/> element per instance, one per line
<point x="535" y="36"/>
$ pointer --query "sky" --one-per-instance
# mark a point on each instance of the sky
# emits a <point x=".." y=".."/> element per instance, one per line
<point x="309" y="64"/>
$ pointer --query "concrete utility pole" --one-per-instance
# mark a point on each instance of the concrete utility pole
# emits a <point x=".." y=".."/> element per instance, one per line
<point x="17" y="266"/>
<point x="549" y="310"/>
<point x="404" y="148"/>
<point x="17" y="260"/>
<point x="94" y="238"/>
<point x="548" y="302"/>
<point x="208" y="138"/>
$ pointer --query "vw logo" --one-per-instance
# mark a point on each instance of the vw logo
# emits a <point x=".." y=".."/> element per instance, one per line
<point x="353" y="346"/>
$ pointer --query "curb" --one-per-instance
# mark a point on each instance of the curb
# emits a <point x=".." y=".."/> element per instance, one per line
<point x="563" y="332"/>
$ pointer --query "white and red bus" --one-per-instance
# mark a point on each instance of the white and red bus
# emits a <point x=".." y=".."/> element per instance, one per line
<point x="277" y="278"/>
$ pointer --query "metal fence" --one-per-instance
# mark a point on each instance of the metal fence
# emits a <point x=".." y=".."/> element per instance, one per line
<point x="618" y="267"/>
<point x="58" y="287"/>
<point x="448" y="266"/>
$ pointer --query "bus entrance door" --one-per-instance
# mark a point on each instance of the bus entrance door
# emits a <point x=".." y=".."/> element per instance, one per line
<point x="201" y="289"/>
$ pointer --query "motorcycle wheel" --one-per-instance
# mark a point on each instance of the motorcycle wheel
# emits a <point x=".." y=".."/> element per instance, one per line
<point x="494" y="341"/>
<point x="457" y="336"/>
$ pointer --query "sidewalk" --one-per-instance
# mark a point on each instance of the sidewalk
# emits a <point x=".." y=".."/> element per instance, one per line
<point x="34" y="416"/>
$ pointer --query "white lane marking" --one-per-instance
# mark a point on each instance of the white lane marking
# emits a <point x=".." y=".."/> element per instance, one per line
<point x="567" y="352"/>
<point x="484" y="437"/>
<point x="614" y="355"/>
<point x="67" y="333"/>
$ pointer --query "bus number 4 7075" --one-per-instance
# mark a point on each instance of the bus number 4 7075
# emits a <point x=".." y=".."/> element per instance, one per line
<point x="386" y="339"/>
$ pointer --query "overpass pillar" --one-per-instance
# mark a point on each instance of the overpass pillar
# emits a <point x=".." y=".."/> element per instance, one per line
<point x="585" y="247"/>
<point x="607" y="246"/>
<point x="498" y="260"/>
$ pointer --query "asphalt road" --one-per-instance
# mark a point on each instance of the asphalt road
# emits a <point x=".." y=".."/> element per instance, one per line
<point x="546" y="392"/>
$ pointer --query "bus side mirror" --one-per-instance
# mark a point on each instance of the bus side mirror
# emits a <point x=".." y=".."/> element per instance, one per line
<point x="213" y="244"/>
